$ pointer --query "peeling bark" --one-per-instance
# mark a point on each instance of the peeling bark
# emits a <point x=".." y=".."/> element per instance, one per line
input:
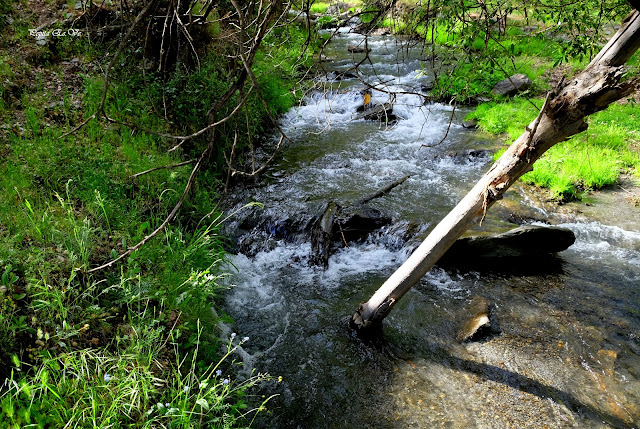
<point x="562" y="116"/>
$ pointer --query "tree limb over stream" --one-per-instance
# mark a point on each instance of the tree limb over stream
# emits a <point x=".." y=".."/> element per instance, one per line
<point x="562" y="116"/>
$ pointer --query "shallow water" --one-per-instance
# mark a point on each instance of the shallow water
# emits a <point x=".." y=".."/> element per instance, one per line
<point x="568" y="354"/>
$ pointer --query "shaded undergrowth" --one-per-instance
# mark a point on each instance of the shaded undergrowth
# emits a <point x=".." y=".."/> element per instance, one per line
<point x="136" y="345"/>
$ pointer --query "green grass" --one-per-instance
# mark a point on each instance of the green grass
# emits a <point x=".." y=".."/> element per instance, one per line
<point x="590" y="160"/>
<point x="97" y="388"/>
<point x="112" y="349"/>
<point x="66" y="204"/>
<point x="319" y="7"/>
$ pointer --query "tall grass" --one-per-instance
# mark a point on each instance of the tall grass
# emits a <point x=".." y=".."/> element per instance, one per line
<point x="95" y="388"/>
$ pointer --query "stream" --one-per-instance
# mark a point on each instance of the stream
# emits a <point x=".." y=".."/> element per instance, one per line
<point x="568" y="354"/>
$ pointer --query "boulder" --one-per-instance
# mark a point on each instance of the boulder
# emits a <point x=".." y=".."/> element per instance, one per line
<point x="470" y="124"/>
<point x="357" y="224"/>
<point x="358" y="49"/>
<point x="338" y="225"/>
<point x="523" y="243"/>
<point x="377" y="112"/>
<point x="512" y="85"/>
<point x="337" y="8"/>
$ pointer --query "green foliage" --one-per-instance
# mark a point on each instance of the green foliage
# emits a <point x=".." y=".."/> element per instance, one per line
<point x="508" y="118"/>
<point x="96" y="388"/>
<point x="5" y="10"/>
<point x="67" y="204"/>
<point x="318" y="7"/>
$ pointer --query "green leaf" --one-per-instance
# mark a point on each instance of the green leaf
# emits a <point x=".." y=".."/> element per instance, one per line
<point x="203" y="403"/>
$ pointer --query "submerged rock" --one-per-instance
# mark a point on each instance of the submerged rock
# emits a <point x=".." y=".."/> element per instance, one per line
<point x="512" y="85"/>
<point x="466" y="156"/>
<point x="358" y="49"/>
<point x="481" y="323"/>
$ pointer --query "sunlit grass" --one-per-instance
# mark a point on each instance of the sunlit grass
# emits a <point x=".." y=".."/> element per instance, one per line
<point x="590" y="160"/>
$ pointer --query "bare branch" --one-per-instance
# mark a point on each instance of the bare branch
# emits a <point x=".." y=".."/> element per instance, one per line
<point x="164" y="223"/>
<point x="125" y="39"/>
<point x="164" y="167"/>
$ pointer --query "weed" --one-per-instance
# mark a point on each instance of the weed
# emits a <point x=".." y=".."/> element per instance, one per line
<point x="95" y="388"/>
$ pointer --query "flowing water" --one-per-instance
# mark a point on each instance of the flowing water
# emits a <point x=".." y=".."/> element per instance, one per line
<point x="569" y="350"/>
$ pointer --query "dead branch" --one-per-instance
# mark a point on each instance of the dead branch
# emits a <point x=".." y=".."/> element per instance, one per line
<point x="165" y="222"/>
<point x="125" y="39"/>
<point x="381" y="192"/>
<point x="164" y="167"/>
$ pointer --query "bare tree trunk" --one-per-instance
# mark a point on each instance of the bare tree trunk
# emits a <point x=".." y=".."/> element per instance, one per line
<point x="561" y="117"/>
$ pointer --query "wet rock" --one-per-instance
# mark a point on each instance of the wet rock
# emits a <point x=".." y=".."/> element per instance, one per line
<point x="512" y="85"/>
<point x="377" y="112"/>
<point x="252" y="244"/>
<point x="607" y="359"/>
<point x="466" y="156"/>
<point x="471" y="124"/>
<point x="356" y="225"/>
<point x="523" y="243"/>
<point x="338" y="225"/>
<point x="339" y="76"/>
<point x="481" y="321"/>
<point x="358" y="49"/>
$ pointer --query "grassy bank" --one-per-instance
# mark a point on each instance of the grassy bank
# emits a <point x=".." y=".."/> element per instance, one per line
<point x="135" y="345"/>
<point x="590" y="160"/>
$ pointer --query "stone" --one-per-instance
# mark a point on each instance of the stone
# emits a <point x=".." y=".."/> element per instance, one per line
<point x="470" y="124"/>
<point x="512" y="85"/>
<point x="357" y="49"/>
<point x="377" y="112"/>
<point x="337" y="9"/>
<point x="358" y="224"/>
<point x="526" y="243"/>
<point x="481" y="321"/>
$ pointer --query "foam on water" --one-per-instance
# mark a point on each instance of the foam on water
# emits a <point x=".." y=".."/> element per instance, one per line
<point x="603" y="242"/>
